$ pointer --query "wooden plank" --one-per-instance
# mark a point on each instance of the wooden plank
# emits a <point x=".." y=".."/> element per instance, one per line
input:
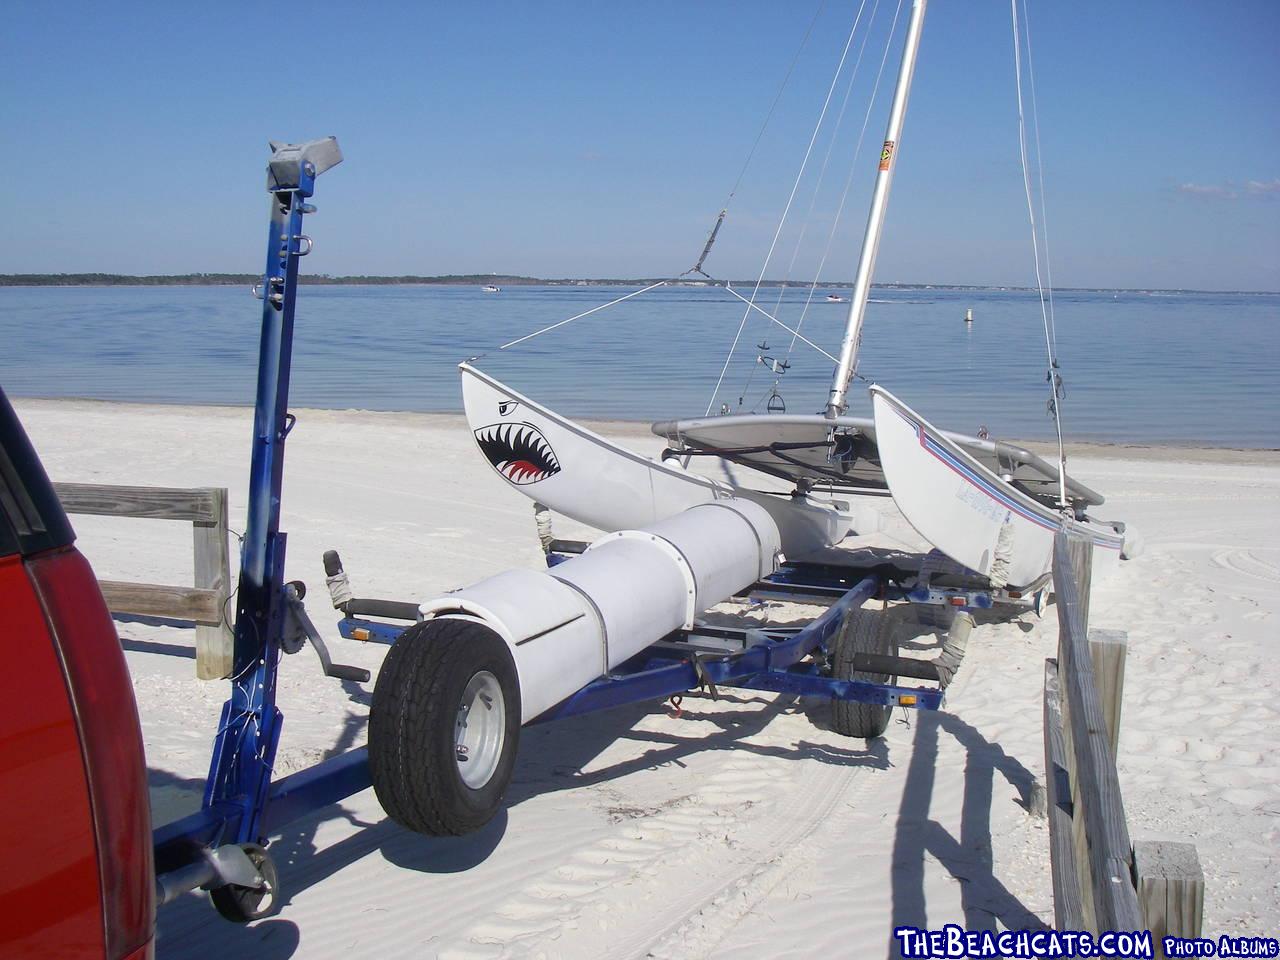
<point x="1170" y="889"/>
<point x="157" y="503"/>
<point x="1103" y="836"/>
<point x="1068" y="906"/>
<point x="215" y="644"/>
<point x="162" y="600"/>
<point x="1082" y="852"/>
<point x="1107" y="653"/>
<point x="1081" y="553"/>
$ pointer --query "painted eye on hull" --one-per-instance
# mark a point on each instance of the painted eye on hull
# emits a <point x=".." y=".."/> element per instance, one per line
<point x="518" y="451"/>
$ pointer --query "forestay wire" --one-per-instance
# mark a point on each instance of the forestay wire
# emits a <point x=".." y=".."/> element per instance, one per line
<point x="769" y="316"/>
<point x="813" y="200"/>
<point x="1044" y="213"/>
<point x="1052" y="375"/>
<point x="587" y="313"/>
<point x="746" y="314"/>
<point x="733" y="192"/>
<point x="853" y="166"/>
<point x="715" y="230"/>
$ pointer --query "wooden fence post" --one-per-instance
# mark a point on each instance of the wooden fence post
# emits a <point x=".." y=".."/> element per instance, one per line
<point x="1107" y="650"/>
<point x="1100" y="835"/>
<point x="205" y="603"/>
<point x="215" y="645"/>
<point x="1170" y="888"/>
<point x="1101" y="879"/>
<point x="1081" y="554"/>
<point x="1068" y="906"/>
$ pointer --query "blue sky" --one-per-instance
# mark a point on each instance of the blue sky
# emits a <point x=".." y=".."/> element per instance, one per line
<point x="575" y="139"/>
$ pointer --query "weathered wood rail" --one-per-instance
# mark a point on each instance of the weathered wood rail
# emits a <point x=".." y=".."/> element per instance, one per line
<point x="1101" y="879"/>
<point x="205" y="603"/>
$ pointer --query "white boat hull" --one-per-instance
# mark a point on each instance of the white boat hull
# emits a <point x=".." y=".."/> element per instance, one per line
<point x="966" y="511"/>
<point x="581" y="475"/>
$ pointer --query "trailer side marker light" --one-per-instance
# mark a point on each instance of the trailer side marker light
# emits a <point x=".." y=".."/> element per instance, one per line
<point x="360" y="633"/>
<point x="956" y="601"/>
<point x="907" y="700"/>
<point x="1015" y="594"/>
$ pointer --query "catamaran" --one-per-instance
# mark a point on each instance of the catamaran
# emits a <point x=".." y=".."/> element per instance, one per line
<point x="991" y="506"/>
<point x="618" y="620"/>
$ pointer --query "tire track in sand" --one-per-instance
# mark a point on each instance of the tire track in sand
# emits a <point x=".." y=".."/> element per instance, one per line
<point x="674" y="879"/>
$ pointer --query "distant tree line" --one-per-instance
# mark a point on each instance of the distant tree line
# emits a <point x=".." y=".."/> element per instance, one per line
<point x="474" y="279"/>
<point x="232" y="279"/>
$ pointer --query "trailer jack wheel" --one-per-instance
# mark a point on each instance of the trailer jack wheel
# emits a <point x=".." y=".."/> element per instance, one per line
<point x="444" y="726"/>
<point x="241" y="904"/>
<point x="863" y="631"/>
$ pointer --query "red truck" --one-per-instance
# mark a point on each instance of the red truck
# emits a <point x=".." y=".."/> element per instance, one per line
<point x="76" y="870"/>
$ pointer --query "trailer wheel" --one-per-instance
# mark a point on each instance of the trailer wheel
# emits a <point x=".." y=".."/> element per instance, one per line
<point x="245" y="904"/>
<point x="443" y="727"/>
<point x="863" y="631"/>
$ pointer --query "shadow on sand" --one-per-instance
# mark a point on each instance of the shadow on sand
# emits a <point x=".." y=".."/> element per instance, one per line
<point x="967" y="858"/>
<point x="556" y="756"/>
<point x="553" y="757"/>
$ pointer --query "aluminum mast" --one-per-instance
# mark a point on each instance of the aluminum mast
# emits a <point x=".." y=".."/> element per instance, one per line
<point x="875" y="219"/>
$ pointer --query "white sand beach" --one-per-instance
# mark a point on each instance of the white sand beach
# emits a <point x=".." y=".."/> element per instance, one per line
<point x="744" y="826"/>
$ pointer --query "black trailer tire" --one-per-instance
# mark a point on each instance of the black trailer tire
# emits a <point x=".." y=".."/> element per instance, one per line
<point x="246" y="904"/>
<point x="863" y="631"/>
<point x="418" y="723"/>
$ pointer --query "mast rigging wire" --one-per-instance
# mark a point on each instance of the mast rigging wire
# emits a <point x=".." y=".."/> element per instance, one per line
<point x="853" y="166"/>
<point x="587" y="313"/>
<point x="817" y="189"/>
<point x="724" y="211"/>
<point x="715" y="230"/>
<point x="1052" y="373"/>
<point x="759" y="309"/>
<point x="776" y="97"/>
<point x="782" y="221"/>
<point x="1044" y="214"/>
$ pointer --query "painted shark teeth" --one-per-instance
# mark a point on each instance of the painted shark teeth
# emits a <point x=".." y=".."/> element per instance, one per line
<point x="518" y="451"/>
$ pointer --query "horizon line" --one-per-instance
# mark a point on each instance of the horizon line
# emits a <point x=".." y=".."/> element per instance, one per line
<point x="91" y="278"/>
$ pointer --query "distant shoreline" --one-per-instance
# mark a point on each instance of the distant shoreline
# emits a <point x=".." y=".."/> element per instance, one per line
<point x="465" y="280"/>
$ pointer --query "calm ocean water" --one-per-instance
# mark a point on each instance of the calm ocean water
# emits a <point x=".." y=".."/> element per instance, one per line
<point x="1185" y="368"/>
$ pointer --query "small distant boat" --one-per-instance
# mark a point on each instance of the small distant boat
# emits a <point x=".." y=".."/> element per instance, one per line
<point x="836" y="298"/>
<point x="490" y="288"/>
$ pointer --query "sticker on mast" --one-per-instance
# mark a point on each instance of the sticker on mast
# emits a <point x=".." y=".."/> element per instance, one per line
<point x="886" y="155"/>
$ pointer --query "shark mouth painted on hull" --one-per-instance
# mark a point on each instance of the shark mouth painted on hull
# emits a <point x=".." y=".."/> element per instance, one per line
<point x="518" y="451"/>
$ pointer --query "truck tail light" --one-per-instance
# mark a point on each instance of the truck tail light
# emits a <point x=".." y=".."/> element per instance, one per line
<point x="110" y="737"/>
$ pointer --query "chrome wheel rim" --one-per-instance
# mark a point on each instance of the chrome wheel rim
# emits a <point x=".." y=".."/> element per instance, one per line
<point x="481" y="729"/>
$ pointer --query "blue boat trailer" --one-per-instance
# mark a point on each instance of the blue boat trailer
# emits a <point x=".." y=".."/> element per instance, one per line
<point x="222" y="848"/>
<point x="781" y="660"/>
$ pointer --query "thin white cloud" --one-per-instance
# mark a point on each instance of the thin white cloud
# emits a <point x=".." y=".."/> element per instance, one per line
<point x="1230" y="190"/>
<point x="1207" y="190"/>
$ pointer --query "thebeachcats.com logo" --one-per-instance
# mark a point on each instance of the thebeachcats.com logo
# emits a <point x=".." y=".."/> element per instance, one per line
<point x="1224" y="946"/>
<point x="953" y="942"/>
